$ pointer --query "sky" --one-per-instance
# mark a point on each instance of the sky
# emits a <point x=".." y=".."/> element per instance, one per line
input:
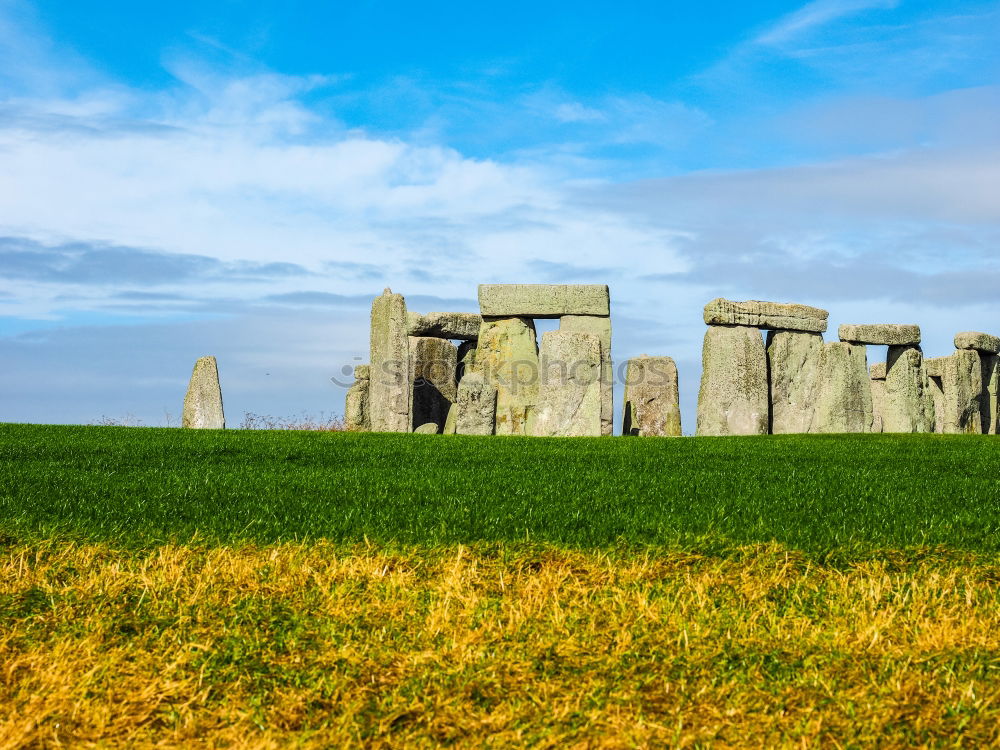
<point x="241" y="178"/>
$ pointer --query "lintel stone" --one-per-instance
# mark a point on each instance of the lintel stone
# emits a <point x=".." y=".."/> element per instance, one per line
<point x="543" y="300"/>
<point x="444" y="325"/>
<point x="880" y="334"/>
<point x="767" y="315"/>
<point x="981" y="342"/>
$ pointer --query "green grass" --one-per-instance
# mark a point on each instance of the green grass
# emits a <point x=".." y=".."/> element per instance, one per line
<point x="819" y="494"/>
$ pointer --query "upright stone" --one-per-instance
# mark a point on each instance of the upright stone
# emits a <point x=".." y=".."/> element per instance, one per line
<point x="652" y="407"/>
<point x="569" y="401"/>
<point x="733" y="399"/>
<point x="475" y="411"/>
<point x="793" y="374"/>
<point x="600" y="327"/>
<point x="878" y="395"/>
<point x="845" y="394"/>
<point x="356" y="404"/>
<point x="909" y="401"/>
<point x="961" y="383"/>
<point x="203" y="401"/>
<point x="935" y="377"/>
<point x="466" y="358"/>
<point x="987" y="347"/>
<point x="433" y="362"/>
<point x="389" y="390"/>
<point x="507" y="357"/>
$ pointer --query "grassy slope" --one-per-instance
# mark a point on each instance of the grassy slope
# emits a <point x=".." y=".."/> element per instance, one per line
<point x="815" y="493"/>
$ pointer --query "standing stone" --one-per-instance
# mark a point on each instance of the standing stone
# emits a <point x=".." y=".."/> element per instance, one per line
<point x="961" y="383"/>
<point x="356" y="405"/>
<point x="389" y="390"/>
<point x="475" y="410"/>
<point x="987" y="347"/>
<point x="732" y="399"/>
<point x="507" y="357"/>
<point x="770" y="315"/>
<point x="569" y="401"/>
<point x="878" y="397"/>
<point x="793" y="374"/>
<point x="433" y="362"/>
<point x="466" y="358"/>
<point x="908" y="402"/>
<point x="652" y="406"/>
<point x="845" y="394"/>
<point x="935" y="376"/>
<point x="203" y="401"/>
<point x="600" y="327"/>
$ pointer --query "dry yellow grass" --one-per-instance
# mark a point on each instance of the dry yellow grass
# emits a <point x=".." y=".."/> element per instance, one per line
<point x="318" y="645"/>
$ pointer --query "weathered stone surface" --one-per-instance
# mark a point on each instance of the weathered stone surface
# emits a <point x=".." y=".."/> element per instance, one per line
<point x="880" y="334"/>
<point x="203" y="401"/>
<point x="908" y="403"/>
<point x="427" y="428"/>
<point x="935" y="366"/>
<point x="733" y="398"/>
<point x="433" y="362"/>
<point x="878" y="403"/>
<point x="445" y="325"/>
<point x="569" y="400"/>
<point x="475" y="411"/>
<point x="988" y="397"/>
<point x="543" y="300"/>
<point x="652" y="407"/>
<point x="877" y="371"/>
<point x="937" y="394"/>
<point x="466" y="357"/>
<point x="600" y="327"/>
<point x="356" y="404"/>
<point x="771" y="315"/>
<point x="981" y="342"/>
<point x="962" y="384"/>
<point x="390" y="389"/>
<point x="793" y="373"/>
<point x="507" y="357"/>
<point x="451" y="421"/>
<point x="845" y="394"/>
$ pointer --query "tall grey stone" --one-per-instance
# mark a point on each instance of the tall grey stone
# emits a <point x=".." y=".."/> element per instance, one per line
<point x="433" y="362"/>
<point x="356" y="403"/>
<point x="768" y="315"/>
<point x="989" y="398"/>
<point x="793" y="374"/>
<point x="507" y="357"/>
<point x="878" y="403"/>
<point x="600" y="327"/>
<point x="203" y="400"/>
<point x="908" y="404"/>
<point x="880" y="334"/>
<point x="845" y="394"/>
<point x="733" y="398"/>
<point x="543" y="300"/>
<point x="961" y="384"/>
<point x="569" y="400"/>
<point x="652" y="403"/>
<point x="389" y="391"/>
<point x="445" y="325"/>
<point x="475" y="410"/>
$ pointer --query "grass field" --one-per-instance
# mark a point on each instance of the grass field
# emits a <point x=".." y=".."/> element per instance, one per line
<point x="270" y="589"/>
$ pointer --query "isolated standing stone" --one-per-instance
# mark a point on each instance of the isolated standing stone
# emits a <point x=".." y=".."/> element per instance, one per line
<point x="445" y="325"/>
<point x="203" y="401"/>
<point x="507" y="357"/>
<point x="356" y="405"/>
<point x="569" y="401"/>
<point x="845" y="394"/>
<point x="543" y="300"/>
<point x="733" y="397"/>
<point x="389" y="390"/>
<point x="769" y="315"/>
<point x="793" y="371"/>
<point x="476" y="407"/>
<point x="908" y="404"/>
<point x="880" y="334"/>
<point x="961" y="384"/>
<point x="433" y="362"/>
<point x="600" y="327"/>
<point x="652" y="407"/>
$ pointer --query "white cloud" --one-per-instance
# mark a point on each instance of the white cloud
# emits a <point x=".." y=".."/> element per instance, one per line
<point x="815" y="15"/>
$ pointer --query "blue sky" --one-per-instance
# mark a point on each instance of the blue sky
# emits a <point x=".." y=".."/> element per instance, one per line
<point x="239" y="178"/>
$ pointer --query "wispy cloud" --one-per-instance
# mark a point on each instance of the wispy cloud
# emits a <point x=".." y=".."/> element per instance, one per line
<point x="813" y="16"/>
